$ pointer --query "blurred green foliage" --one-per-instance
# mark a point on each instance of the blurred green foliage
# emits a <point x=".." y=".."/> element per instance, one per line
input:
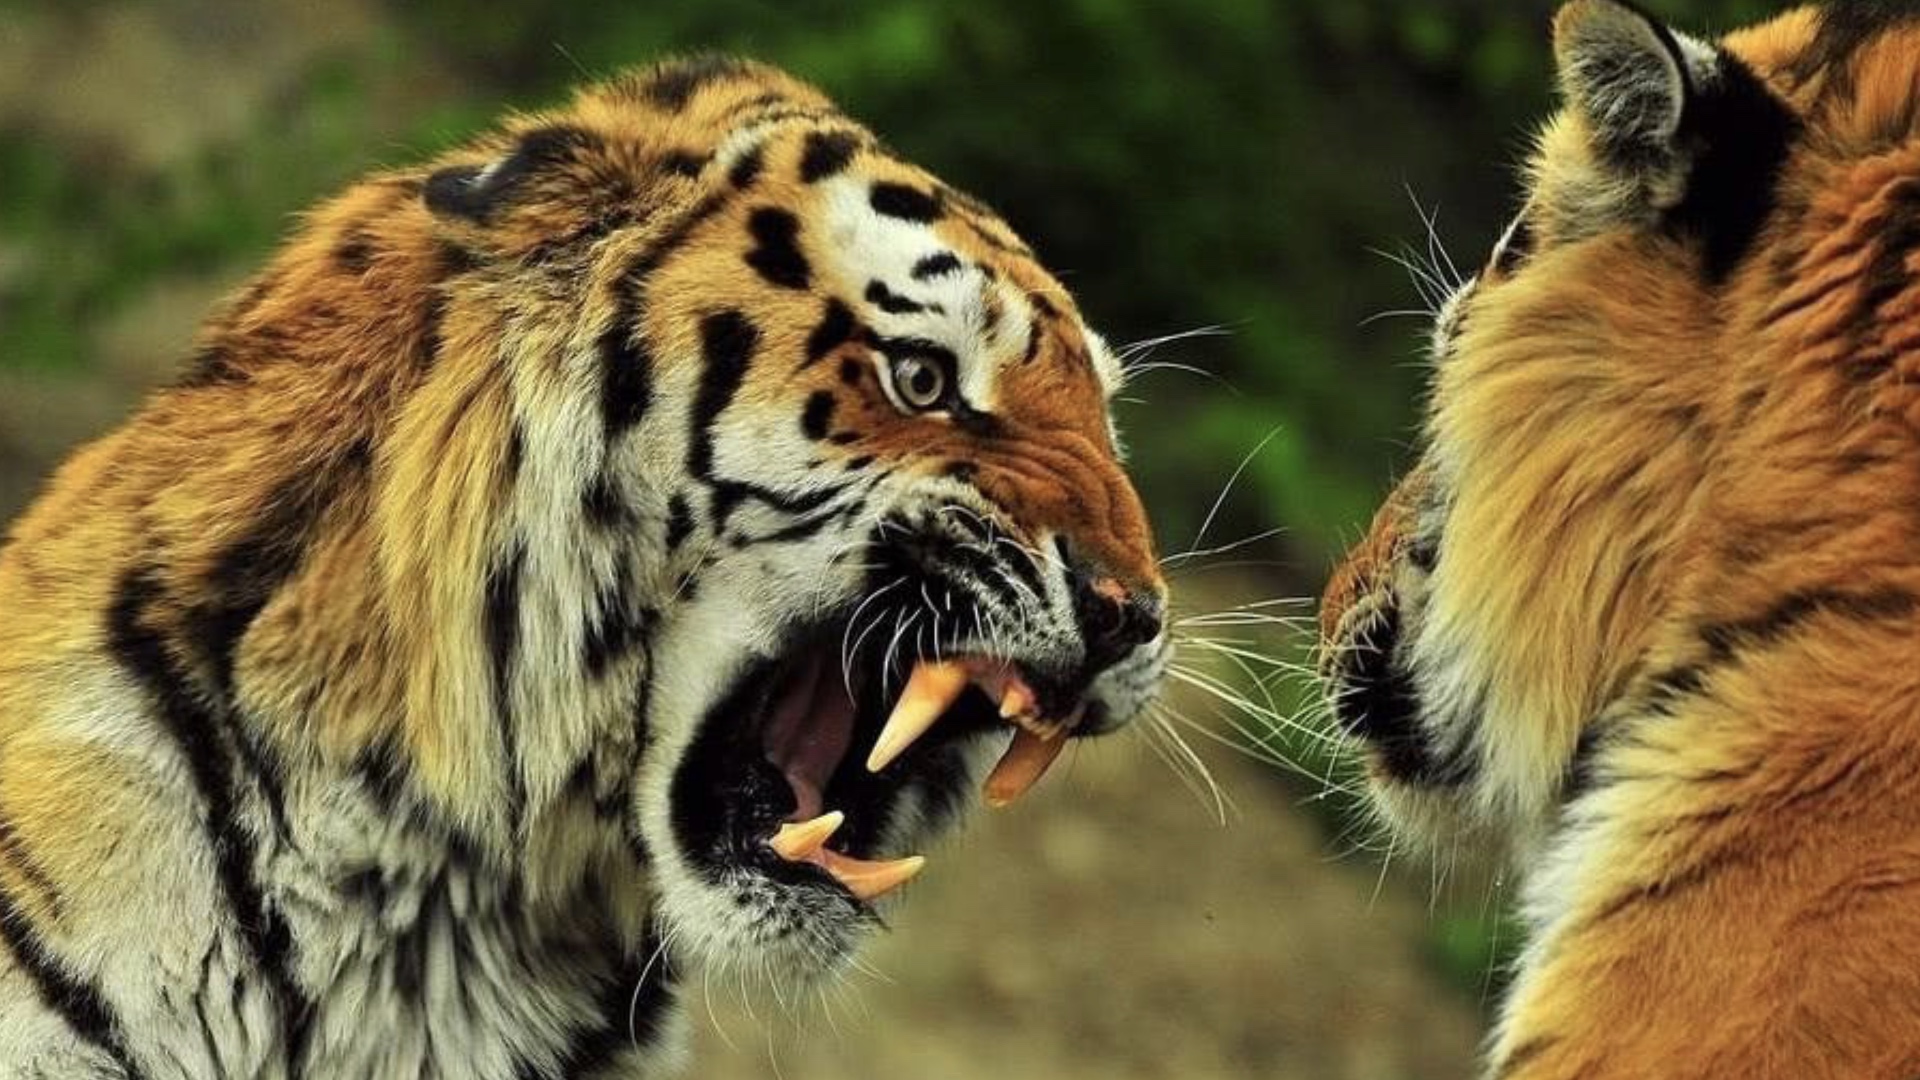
<point x="1233" y="164"/>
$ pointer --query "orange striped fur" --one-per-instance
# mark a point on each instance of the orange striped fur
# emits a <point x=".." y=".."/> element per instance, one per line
<point x="1646" y="619"/>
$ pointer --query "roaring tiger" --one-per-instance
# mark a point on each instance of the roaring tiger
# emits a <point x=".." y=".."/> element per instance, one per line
<point x="597" y="555"/>
<point x="1646" y="616"/>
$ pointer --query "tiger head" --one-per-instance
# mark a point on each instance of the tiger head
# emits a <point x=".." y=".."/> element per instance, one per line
<point x="729" y="439"/>
<point x="1672" y="350"/>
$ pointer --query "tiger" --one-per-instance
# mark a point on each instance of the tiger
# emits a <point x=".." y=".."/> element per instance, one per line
<point x="592" y="559"/>
<point x="1642" y="621"/>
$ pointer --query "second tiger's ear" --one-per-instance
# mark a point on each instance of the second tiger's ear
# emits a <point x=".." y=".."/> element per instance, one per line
<point x="1678" y="133"/>
<point x="1632" y="81"/>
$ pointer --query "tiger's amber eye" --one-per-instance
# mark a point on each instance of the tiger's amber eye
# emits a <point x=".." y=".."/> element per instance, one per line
<point x="919" y="382"/>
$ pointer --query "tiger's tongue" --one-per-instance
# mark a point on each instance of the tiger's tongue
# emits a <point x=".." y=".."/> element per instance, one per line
<point x="808" y="734"/>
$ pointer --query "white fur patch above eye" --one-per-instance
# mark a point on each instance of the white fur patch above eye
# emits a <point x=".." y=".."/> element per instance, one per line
<point x="906" y="283"/>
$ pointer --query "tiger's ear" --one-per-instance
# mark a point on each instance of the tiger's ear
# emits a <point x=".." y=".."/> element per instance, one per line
<point x="1677" y="133"/>
<point x="1632" y="82"/>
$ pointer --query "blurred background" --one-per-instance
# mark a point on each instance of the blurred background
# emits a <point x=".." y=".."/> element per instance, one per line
<point x="1248" y="172"/>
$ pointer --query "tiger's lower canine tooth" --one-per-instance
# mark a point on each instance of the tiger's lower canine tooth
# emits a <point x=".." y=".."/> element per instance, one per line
<point x="1018" y="701"/>
<point x="1025" y="762"/>
<point x="870" y="880"/>
<point x="798" y="841"/>
<point x="930" y="691"/>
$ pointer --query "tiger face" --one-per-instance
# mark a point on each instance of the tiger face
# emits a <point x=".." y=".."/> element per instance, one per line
<point x="858" y="444"/>
<point x="1535" y="577"/>
<point x="862" y="442"/>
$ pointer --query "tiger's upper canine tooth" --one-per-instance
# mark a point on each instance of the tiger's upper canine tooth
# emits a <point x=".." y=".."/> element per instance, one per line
<point x="798" y="841"/>
<point x="931" y="689"/>
<point x="1025" y="762"/>
<point x="870" y="880"/>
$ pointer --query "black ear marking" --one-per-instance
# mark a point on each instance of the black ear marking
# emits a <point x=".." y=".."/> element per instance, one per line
<point x="1741" y="135"/>
<point x="474" y="193"/>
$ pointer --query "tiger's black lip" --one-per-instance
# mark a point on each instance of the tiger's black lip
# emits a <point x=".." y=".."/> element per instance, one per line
<point x="1374" y="698"/>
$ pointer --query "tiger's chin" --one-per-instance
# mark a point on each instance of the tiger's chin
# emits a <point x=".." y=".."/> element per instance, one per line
<point x="814" y="779"/>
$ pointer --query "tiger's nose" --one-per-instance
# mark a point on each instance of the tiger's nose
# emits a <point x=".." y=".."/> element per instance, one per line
<point x="1114" y="620"/>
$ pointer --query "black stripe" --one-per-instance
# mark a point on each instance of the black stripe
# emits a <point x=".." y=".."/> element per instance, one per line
<point x="626" y="371"/>
<point x="213" y="364"/>
<point x="939" y="264"/>
<point x="1581" y="770"/>
<point x="805" y="528"/>
<point x="650" y="260"/>
<point x="354" y="255"/>
<point x="631" y="1013"/>
<point x="187" y="720"/>
<point x="728" y="340"/>
<point x="904" y="202"/>
<point x="15" y="854"/>
<point x="673" y="84"/>
<point x="747" y="168"/>
<point x="603" y="504"/>
<point x="685" y="163"/>
<point x="1672" y="685"/>
<point x="78" y="1003"/>
<point x="679" y="521"/>
<point x="1792" y="612"/>
<point x="729" y="493"/>
<point x="516" y="455"/>
<point x="776" y="252"/>
<point x="827" y="153"/>
<point x="246" y="576"/>
<point x="1895" y="237"/>
<point x="1726" y="641"/>
<point x="618" y="626"/>
<point x="1033" y="342"/>
<point x="1670" y="884"/>
<point x="1845" y="29"/>
<point x="879" y="295"/>
<point x="501" y="627"/>
<point x="837" y="326"/>
<point x="817" y="417"/>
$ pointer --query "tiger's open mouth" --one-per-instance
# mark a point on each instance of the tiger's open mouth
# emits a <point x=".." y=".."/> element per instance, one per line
<point x="802" y="771"/>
